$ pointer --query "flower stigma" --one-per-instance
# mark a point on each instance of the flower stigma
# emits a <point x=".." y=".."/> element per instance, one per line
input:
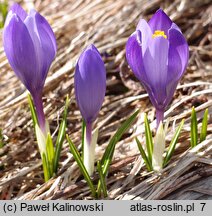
<point x="159" y="33"/>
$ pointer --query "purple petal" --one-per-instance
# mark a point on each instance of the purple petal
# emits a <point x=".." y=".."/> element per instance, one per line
<point x="48" y="42"/>
<point x="146" y="33"/>
<point x="37" y="99"/>
<point x="160" y="21"/>
<point x="155" y="63"/>
<point x="44" y="43"/>
<point x="177" y="59"/>
<point x="90" y="83"/>
<point x="45" y="31"/>
<point x="20" y="51"/>
<point x="18" y="10"/>
<point x="10" y="15"/>
<point x="134" y="57"/>
<point x="178" y="55"/>
<point x="174" y="26"/>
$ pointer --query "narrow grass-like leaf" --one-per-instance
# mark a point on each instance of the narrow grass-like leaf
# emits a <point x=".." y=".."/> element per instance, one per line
<point x="1" y="139"/>
<point x="172" y="145"/>
<point x="3" y="11"/>
<point x="83" y="170"/>
<point x="102" y="180"/>
<point x="61" y="135"/>
<point x="45" y="168"/>
<point x="148" y="135"/>
<point x="83" y="138"/>
<point x="203" y="133"/>
<point x="108" y="154"/>
<point x="49" y="147"/>
<point x="194" y="131"/>
<point x="50" y="153"/>
<point x="32" y="110"/>
<point x="143" y="154"/>
<point x="45" y="160"/>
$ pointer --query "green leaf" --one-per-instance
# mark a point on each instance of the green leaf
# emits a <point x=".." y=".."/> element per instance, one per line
<point x="108" y="154"/>
<point x="61" y="135"/>
<point x="144" y="156"/>
<point x="83" y="137"/>
<point x="1" y="139"/>
<point x="45" y="158"/>
<point x="172" y="145"/>
<point x="148" y="135"/>
<point x="45" y="168"/>
<point x="203" y="133"/>
<point x="102" y="180"/>
<point x="3" y="12"/>
<point x="50" y="154"/>
<point x="82" y="168"/>
<point x="32" y="110"/>
<point x="194" y="131"/>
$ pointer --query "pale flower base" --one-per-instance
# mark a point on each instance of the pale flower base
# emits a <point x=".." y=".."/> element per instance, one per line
<point x="158" y="149"/>
<point x="89" y="152"/>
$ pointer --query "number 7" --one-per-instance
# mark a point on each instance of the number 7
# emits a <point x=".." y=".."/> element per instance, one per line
<point x="203" y="205"/>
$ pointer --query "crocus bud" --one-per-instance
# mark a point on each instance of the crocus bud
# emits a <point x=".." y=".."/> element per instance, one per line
<point x="90" y="87"/>
<point x="157" y="53"/>
<point x="30" y="47"/>
<point x="90" y="83"/>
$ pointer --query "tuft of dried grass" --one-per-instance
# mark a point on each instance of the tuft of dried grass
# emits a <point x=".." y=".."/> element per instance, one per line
<point x="108" y="24"/>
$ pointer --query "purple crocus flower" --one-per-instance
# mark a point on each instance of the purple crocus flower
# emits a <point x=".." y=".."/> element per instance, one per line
<point x="90" y="84"/>
<point x="157" y="53"/>
<point x="30" y="47"/>
<point x="90" y="87"/>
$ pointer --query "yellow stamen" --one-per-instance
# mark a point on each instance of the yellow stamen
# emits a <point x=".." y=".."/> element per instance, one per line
<point x="159" y="33"/>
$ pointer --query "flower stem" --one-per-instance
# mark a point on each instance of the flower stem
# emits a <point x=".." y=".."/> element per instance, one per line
<point x="159" y="117"/>
<point x="39" y="110"/>
<point x="88" y="132"/>
<point x="89" y="149"/>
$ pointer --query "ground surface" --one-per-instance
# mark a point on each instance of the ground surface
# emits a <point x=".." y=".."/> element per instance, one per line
<point x="108" y="24"/>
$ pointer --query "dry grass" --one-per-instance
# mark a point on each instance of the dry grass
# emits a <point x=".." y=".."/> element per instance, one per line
<point x="108" y="24"/>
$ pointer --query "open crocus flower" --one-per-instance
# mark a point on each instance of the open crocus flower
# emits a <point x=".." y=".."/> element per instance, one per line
<point x="157" y="53"/>
<point x="30" y="47"/>
<point x="90" y="87"/>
